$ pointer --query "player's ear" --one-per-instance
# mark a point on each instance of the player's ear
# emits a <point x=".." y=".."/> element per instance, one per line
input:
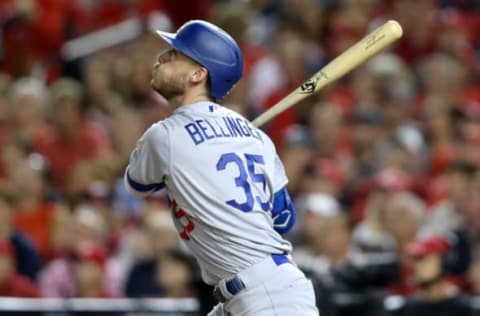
<point x="199" y="75"/>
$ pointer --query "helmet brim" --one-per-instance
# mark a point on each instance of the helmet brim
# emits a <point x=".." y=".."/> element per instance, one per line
<point x="166" y="36"/>
<point x="171" y="40"/>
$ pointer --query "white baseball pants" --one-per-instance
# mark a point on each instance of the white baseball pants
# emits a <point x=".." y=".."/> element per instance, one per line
<point x="271" y="290"/>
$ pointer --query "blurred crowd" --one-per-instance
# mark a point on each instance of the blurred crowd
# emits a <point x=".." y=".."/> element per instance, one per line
<point x="383" y="164"/>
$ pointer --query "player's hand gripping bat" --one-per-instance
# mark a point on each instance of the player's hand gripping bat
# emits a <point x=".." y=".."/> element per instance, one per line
<point x="370" y="45"/>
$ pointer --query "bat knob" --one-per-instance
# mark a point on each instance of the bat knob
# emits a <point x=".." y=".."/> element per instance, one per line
<point x="395" y="28"/>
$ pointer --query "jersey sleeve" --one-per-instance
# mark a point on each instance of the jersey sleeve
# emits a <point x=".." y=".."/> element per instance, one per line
<point x="148" y="163"/>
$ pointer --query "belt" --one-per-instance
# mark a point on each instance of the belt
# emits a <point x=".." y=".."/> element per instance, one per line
<point x="227" y="289"/>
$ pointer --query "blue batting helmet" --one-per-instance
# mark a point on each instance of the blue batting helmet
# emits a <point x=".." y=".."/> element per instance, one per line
<point x="212" y="48"/>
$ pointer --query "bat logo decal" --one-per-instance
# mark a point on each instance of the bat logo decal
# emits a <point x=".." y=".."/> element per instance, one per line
<point x="309" y="86"/>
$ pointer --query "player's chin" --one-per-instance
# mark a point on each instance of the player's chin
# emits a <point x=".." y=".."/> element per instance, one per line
<point x="154" y="86"/>
<point x="159" y="92"/>
<point x="165" y="93"/>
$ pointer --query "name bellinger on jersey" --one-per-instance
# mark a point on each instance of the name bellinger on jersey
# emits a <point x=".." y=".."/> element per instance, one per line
<point x="236" y="230"/>
<point x="222" y="127"/>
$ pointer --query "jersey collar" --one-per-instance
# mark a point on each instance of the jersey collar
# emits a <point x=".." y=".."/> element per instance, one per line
<point x="202" y="106"/>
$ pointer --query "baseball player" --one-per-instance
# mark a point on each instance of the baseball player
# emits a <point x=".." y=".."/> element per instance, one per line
<point x="224" y="180"/>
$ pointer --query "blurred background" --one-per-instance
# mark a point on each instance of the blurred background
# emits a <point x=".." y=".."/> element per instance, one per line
<point x="383" y="164"/>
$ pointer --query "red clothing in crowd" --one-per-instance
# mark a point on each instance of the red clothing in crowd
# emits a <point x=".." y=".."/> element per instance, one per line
<point x="109" y="12"/>
<point x="19" y="286"/>
<point x="37" y="38"/>
<point x="180" y="11"/>
<point x="91" y="142"/>
<point x="36" y="223"/>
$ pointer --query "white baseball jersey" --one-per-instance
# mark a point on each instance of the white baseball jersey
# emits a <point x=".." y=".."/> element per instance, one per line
<point x="220" y="173"/>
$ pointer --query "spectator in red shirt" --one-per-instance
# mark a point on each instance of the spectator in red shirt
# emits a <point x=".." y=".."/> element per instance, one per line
<point x="12" y="283"/>
<point x="75" y="138"/>
<point x="31" y="206"/>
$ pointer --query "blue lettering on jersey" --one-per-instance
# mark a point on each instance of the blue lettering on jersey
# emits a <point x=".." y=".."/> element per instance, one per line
<point x="255" y="133"/>
<point x="243" y="127"/>
<point x="228" y="126"/>
<point x="232" y="125"/>
<point x="194" y="132"/>
<point x="217" y="134"/>
<point x="206" y="129"/>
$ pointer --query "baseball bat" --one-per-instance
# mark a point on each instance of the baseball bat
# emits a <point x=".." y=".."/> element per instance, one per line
<point x="355" y="55"/>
